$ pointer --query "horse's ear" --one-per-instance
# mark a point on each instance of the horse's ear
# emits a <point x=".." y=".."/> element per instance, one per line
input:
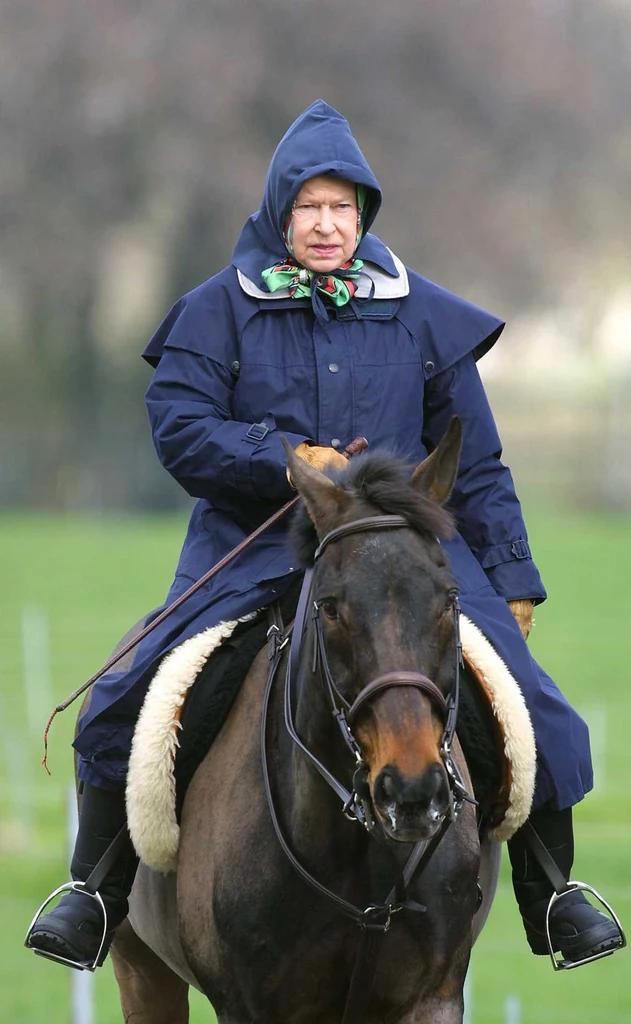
<point x="323" y="499"/>
<point x="436" y="475"/>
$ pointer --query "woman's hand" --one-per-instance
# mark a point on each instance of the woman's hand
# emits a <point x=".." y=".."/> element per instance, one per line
<point x="320" y="458"/>
<point x="522" y="610"/>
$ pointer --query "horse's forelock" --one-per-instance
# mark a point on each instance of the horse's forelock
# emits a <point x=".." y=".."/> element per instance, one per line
<point x="382" y="482"/>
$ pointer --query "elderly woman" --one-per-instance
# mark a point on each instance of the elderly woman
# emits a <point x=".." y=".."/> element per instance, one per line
<point x="318" y="332"/>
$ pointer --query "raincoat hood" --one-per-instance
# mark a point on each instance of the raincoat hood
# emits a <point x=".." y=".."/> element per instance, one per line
<point x="318" y="142"/>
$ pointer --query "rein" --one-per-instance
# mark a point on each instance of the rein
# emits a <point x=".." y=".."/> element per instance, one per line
<point x="354" y="448"/>
<point x="374" y="920"/>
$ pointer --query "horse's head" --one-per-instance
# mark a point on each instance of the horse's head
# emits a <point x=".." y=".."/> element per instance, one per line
<point x="385" y="600"/>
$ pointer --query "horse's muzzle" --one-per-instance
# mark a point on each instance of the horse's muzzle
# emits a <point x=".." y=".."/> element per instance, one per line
<point x="411" y="809"/>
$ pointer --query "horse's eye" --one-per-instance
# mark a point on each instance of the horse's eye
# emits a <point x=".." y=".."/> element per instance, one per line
<point x="329" y="610"/>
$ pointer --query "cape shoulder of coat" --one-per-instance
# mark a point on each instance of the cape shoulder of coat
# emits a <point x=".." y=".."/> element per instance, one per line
<point x="447" y="326"/>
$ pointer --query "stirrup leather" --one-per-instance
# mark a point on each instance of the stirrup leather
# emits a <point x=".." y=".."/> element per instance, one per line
<point x="568" y="965"/>
<point x="69" y="887"/>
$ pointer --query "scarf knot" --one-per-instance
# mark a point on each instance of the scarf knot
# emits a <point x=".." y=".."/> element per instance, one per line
<point x="339" y="286"/>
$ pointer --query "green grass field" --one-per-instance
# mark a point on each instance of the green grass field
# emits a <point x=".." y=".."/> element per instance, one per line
<point x="90" y="579"/>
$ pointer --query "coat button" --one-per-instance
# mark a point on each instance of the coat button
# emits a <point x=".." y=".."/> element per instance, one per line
<point x="236" y="366"/>
<point x="333" y="367"/>
<point x="335" y="442"/>
<point x="429" y="366"/>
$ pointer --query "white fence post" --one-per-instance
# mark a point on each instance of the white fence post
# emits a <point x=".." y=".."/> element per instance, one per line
<point x="468" y="1010"/>
<point x="596" y="717"/>
<point x="81" y="982"/>
<point x="20" y="790"/>
<point x="512" y="1010"/>
<point x="36" y="660"/>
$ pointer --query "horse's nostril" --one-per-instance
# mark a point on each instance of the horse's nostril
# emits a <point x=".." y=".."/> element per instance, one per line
<point x="390" y="786"/>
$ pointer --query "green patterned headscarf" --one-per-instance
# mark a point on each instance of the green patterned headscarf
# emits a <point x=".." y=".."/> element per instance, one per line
<point x="338" y="285"/>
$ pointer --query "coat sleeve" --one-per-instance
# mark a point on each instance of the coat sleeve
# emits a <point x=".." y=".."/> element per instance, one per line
<point x="189" y="403"/>
<point x="487" y="510"/>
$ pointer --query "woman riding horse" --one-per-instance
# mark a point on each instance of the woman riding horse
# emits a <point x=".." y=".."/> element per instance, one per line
<point x="317" y="332"/>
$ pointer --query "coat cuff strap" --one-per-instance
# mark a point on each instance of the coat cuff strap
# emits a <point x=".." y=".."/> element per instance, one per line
<point x="516" y="549"/>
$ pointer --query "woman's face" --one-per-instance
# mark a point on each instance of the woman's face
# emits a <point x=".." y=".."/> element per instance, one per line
<point x="325" y="224"/>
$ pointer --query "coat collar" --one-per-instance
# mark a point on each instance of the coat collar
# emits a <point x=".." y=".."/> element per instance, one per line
<point x="374" y="283"/>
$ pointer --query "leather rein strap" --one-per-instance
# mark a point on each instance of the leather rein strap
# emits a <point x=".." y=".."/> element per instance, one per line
<point x="374" y="920"/>
<point x="358" y="445"/>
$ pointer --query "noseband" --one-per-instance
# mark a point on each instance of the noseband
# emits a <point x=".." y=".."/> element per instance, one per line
<point x="357" y="804"/>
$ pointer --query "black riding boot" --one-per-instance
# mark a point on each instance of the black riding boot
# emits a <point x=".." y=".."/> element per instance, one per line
<point x="577" y="929"/>
<point x="74" y="929"/>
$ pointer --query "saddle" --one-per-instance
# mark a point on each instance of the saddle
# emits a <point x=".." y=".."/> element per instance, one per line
<point x="194" y="689"/>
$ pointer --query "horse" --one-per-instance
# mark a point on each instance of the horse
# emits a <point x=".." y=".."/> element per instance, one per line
<point x="284" y="910"/>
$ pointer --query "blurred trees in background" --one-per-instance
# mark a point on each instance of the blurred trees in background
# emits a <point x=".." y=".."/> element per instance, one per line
<point x="135" y="143"/>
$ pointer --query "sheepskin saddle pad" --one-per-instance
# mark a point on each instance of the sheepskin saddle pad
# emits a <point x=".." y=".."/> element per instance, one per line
<point x="191" y="695"/>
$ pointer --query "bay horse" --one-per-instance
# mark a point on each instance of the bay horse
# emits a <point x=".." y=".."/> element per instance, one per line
<point x="258" y="915"/>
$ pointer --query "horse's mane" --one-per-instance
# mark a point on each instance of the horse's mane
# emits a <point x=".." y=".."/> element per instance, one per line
<point x="382" y="481"/>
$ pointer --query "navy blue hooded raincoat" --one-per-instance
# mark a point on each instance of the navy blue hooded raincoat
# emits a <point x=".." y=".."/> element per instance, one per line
<point x="237" y="367"/>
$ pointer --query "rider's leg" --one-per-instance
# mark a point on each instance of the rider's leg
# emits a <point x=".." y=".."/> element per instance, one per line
<point x="74" y="928"/>
<point x="577" y="929"/>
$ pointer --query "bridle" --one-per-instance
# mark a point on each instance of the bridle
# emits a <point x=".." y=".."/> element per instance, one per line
<point x="374" y="920"/>
<point x="357" y="803"/>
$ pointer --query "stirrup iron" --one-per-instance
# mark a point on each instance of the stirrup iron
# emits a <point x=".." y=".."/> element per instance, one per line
<point x="69" y="887"/>
<point x="568" y="965"/>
